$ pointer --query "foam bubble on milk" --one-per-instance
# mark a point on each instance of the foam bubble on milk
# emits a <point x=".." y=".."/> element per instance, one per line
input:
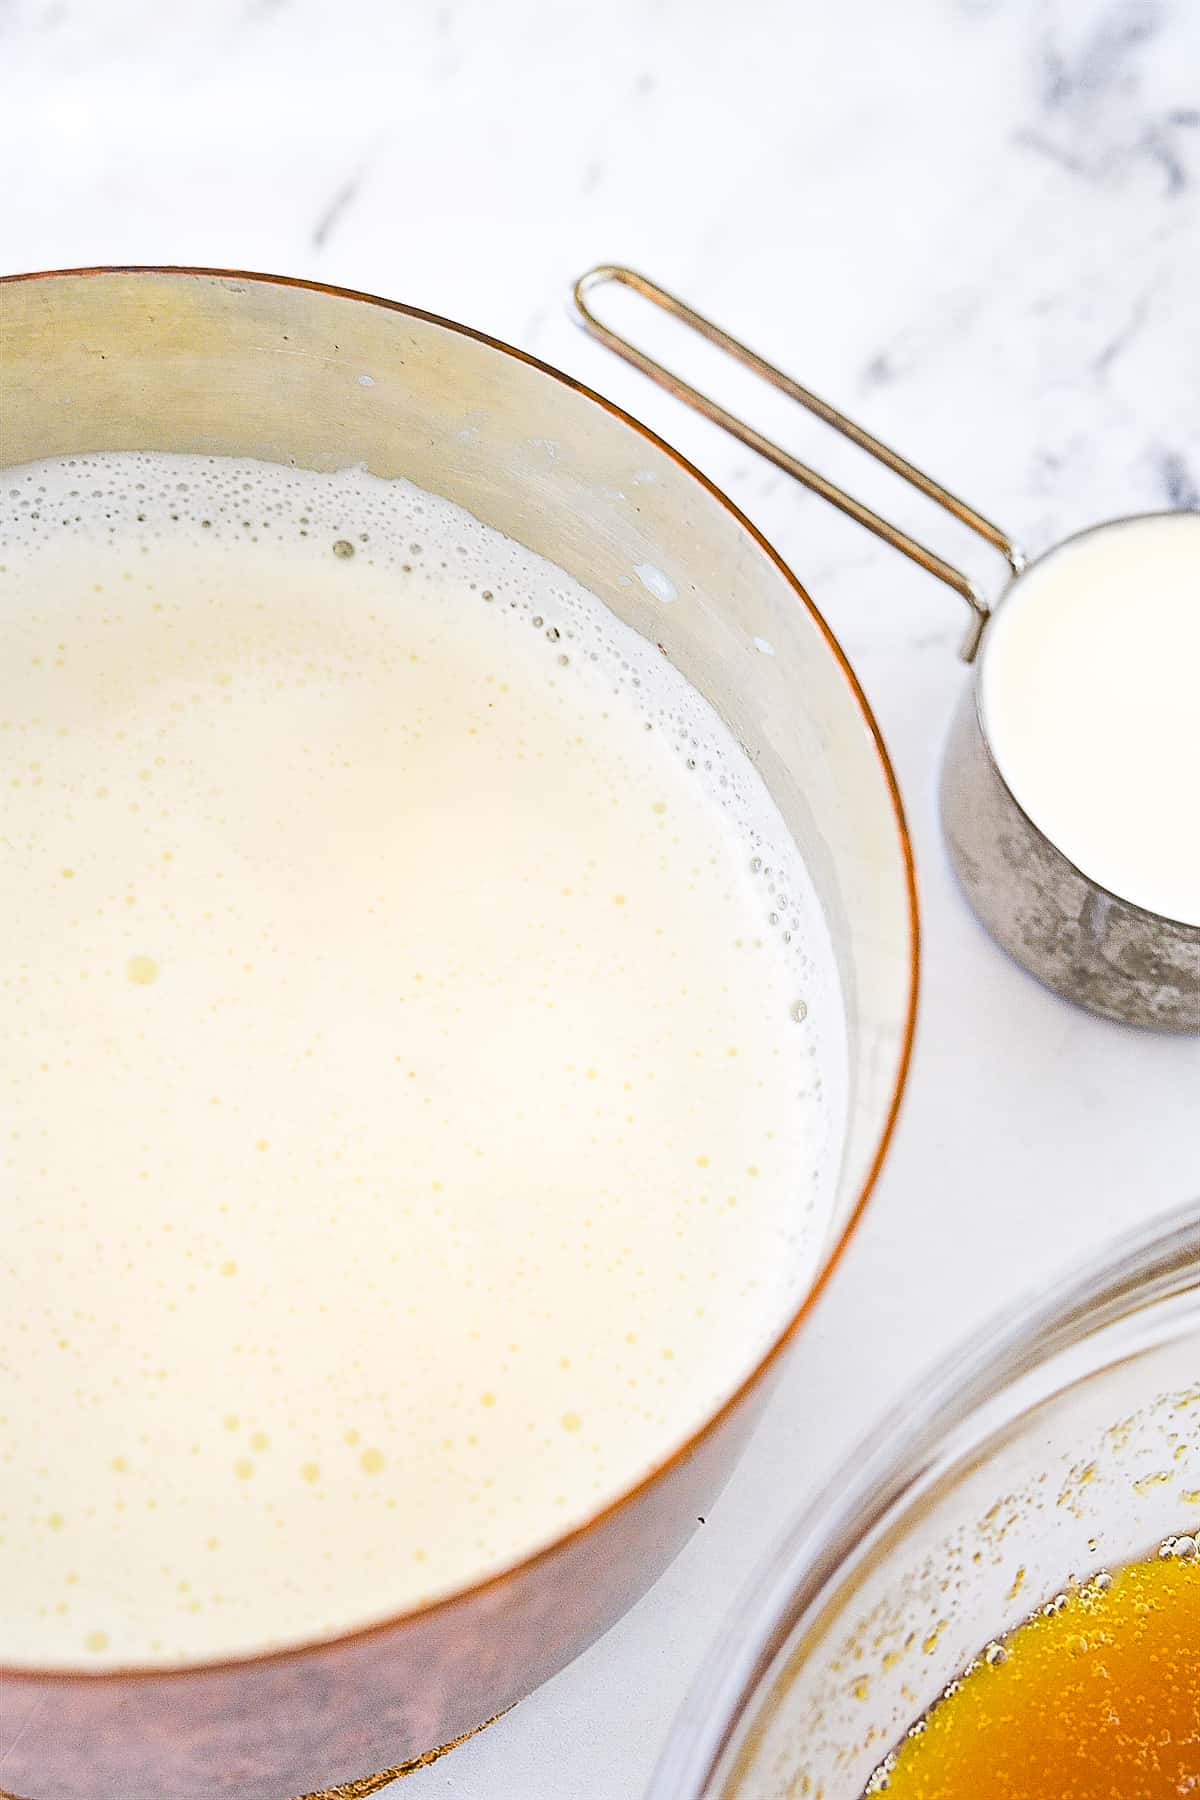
<point x="426" y="1061"/>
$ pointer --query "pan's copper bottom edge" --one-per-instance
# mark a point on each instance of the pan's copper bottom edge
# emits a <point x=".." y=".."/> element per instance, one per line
<point x="371" y="1784"/>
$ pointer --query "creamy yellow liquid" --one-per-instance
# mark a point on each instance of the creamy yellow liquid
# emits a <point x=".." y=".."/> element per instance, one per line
<point x="421" y="1084"/>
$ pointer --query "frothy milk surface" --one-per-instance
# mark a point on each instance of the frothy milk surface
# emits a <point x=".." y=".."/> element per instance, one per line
<point x="1090" y="696"/>
<point x="422" y="1076"/>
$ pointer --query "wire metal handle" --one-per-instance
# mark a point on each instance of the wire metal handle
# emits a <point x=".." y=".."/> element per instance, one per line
<point x="783" y="459"/>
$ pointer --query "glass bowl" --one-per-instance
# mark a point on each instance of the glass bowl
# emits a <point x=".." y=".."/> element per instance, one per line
<point x="1062" y="1440"/>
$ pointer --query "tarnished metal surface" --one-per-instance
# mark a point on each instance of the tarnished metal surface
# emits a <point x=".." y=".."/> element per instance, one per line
<point x="375" y="1784"/>
<point x="1086" y="944"/>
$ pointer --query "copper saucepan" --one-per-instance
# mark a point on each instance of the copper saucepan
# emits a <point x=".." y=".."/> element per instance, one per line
<point x="249" y="365"/>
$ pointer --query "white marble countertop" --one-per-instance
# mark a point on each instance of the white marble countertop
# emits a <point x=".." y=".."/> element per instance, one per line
<point x="975" y="225"/>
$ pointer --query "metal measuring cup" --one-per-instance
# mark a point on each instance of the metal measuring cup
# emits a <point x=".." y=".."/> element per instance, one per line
<point x="1089" y="945"/>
